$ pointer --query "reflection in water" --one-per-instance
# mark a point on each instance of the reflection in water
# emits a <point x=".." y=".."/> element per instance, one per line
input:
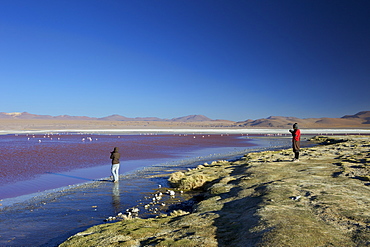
<point x="116" y="198"/>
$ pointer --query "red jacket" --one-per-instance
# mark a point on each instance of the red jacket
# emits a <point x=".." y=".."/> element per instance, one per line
<point x="296" y="134"/>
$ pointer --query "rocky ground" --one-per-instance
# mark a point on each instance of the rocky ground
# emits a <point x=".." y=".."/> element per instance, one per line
<point x="263" y="199"/>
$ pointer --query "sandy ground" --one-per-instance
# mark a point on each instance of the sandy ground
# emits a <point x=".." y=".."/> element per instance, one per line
<point x="263" y="199"/>
<point x="53" y="124"/>
<point x="42" y="124"/>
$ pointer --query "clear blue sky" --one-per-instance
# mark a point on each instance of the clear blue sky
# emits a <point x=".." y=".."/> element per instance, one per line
<point x="233" y="60"/>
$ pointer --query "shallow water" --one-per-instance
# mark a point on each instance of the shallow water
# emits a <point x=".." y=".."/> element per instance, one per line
<point x="49" y="218"/>
<point x="35" y="163"/>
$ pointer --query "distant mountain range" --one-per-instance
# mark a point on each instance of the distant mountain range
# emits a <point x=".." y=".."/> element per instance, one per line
<point x="359" y="120"/>
<point x="26" y="115"/>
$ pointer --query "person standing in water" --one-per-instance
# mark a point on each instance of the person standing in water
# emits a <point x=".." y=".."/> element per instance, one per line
<point x="296" y="141"/>
<point x="115" y="156"/>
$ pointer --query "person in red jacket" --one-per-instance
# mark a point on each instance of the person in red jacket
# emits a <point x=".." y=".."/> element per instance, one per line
<point x="296" y="141"/>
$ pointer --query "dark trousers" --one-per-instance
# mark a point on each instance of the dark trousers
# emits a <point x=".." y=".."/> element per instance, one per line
<point x="296" y="148"/>
<point x="296" y="155"/>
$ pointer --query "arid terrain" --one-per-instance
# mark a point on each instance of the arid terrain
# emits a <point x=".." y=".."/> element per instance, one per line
<point x="26" y="121"/>
<point x="263" y="199"/>
<point x="52" y="124"/>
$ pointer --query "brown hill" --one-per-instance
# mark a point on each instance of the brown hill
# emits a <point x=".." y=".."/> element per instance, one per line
<point x="23" y="115"/>
<point x="26" y="115"/>
<point x="191" y="118"/>
<point x="67" y="117"/>
<point x="363" y="116"/>
<point x="359" y="120"/>
<point x="115" y="117"/>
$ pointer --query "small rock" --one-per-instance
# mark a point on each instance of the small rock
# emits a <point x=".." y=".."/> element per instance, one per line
<point x="295" y="198"/>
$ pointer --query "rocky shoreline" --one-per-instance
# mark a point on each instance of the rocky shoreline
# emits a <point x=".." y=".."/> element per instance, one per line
<point x="263" y="199"/>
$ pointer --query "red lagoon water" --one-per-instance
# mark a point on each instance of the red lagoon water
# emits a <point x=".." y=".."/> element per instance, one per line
<point x="29" y="157"/>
